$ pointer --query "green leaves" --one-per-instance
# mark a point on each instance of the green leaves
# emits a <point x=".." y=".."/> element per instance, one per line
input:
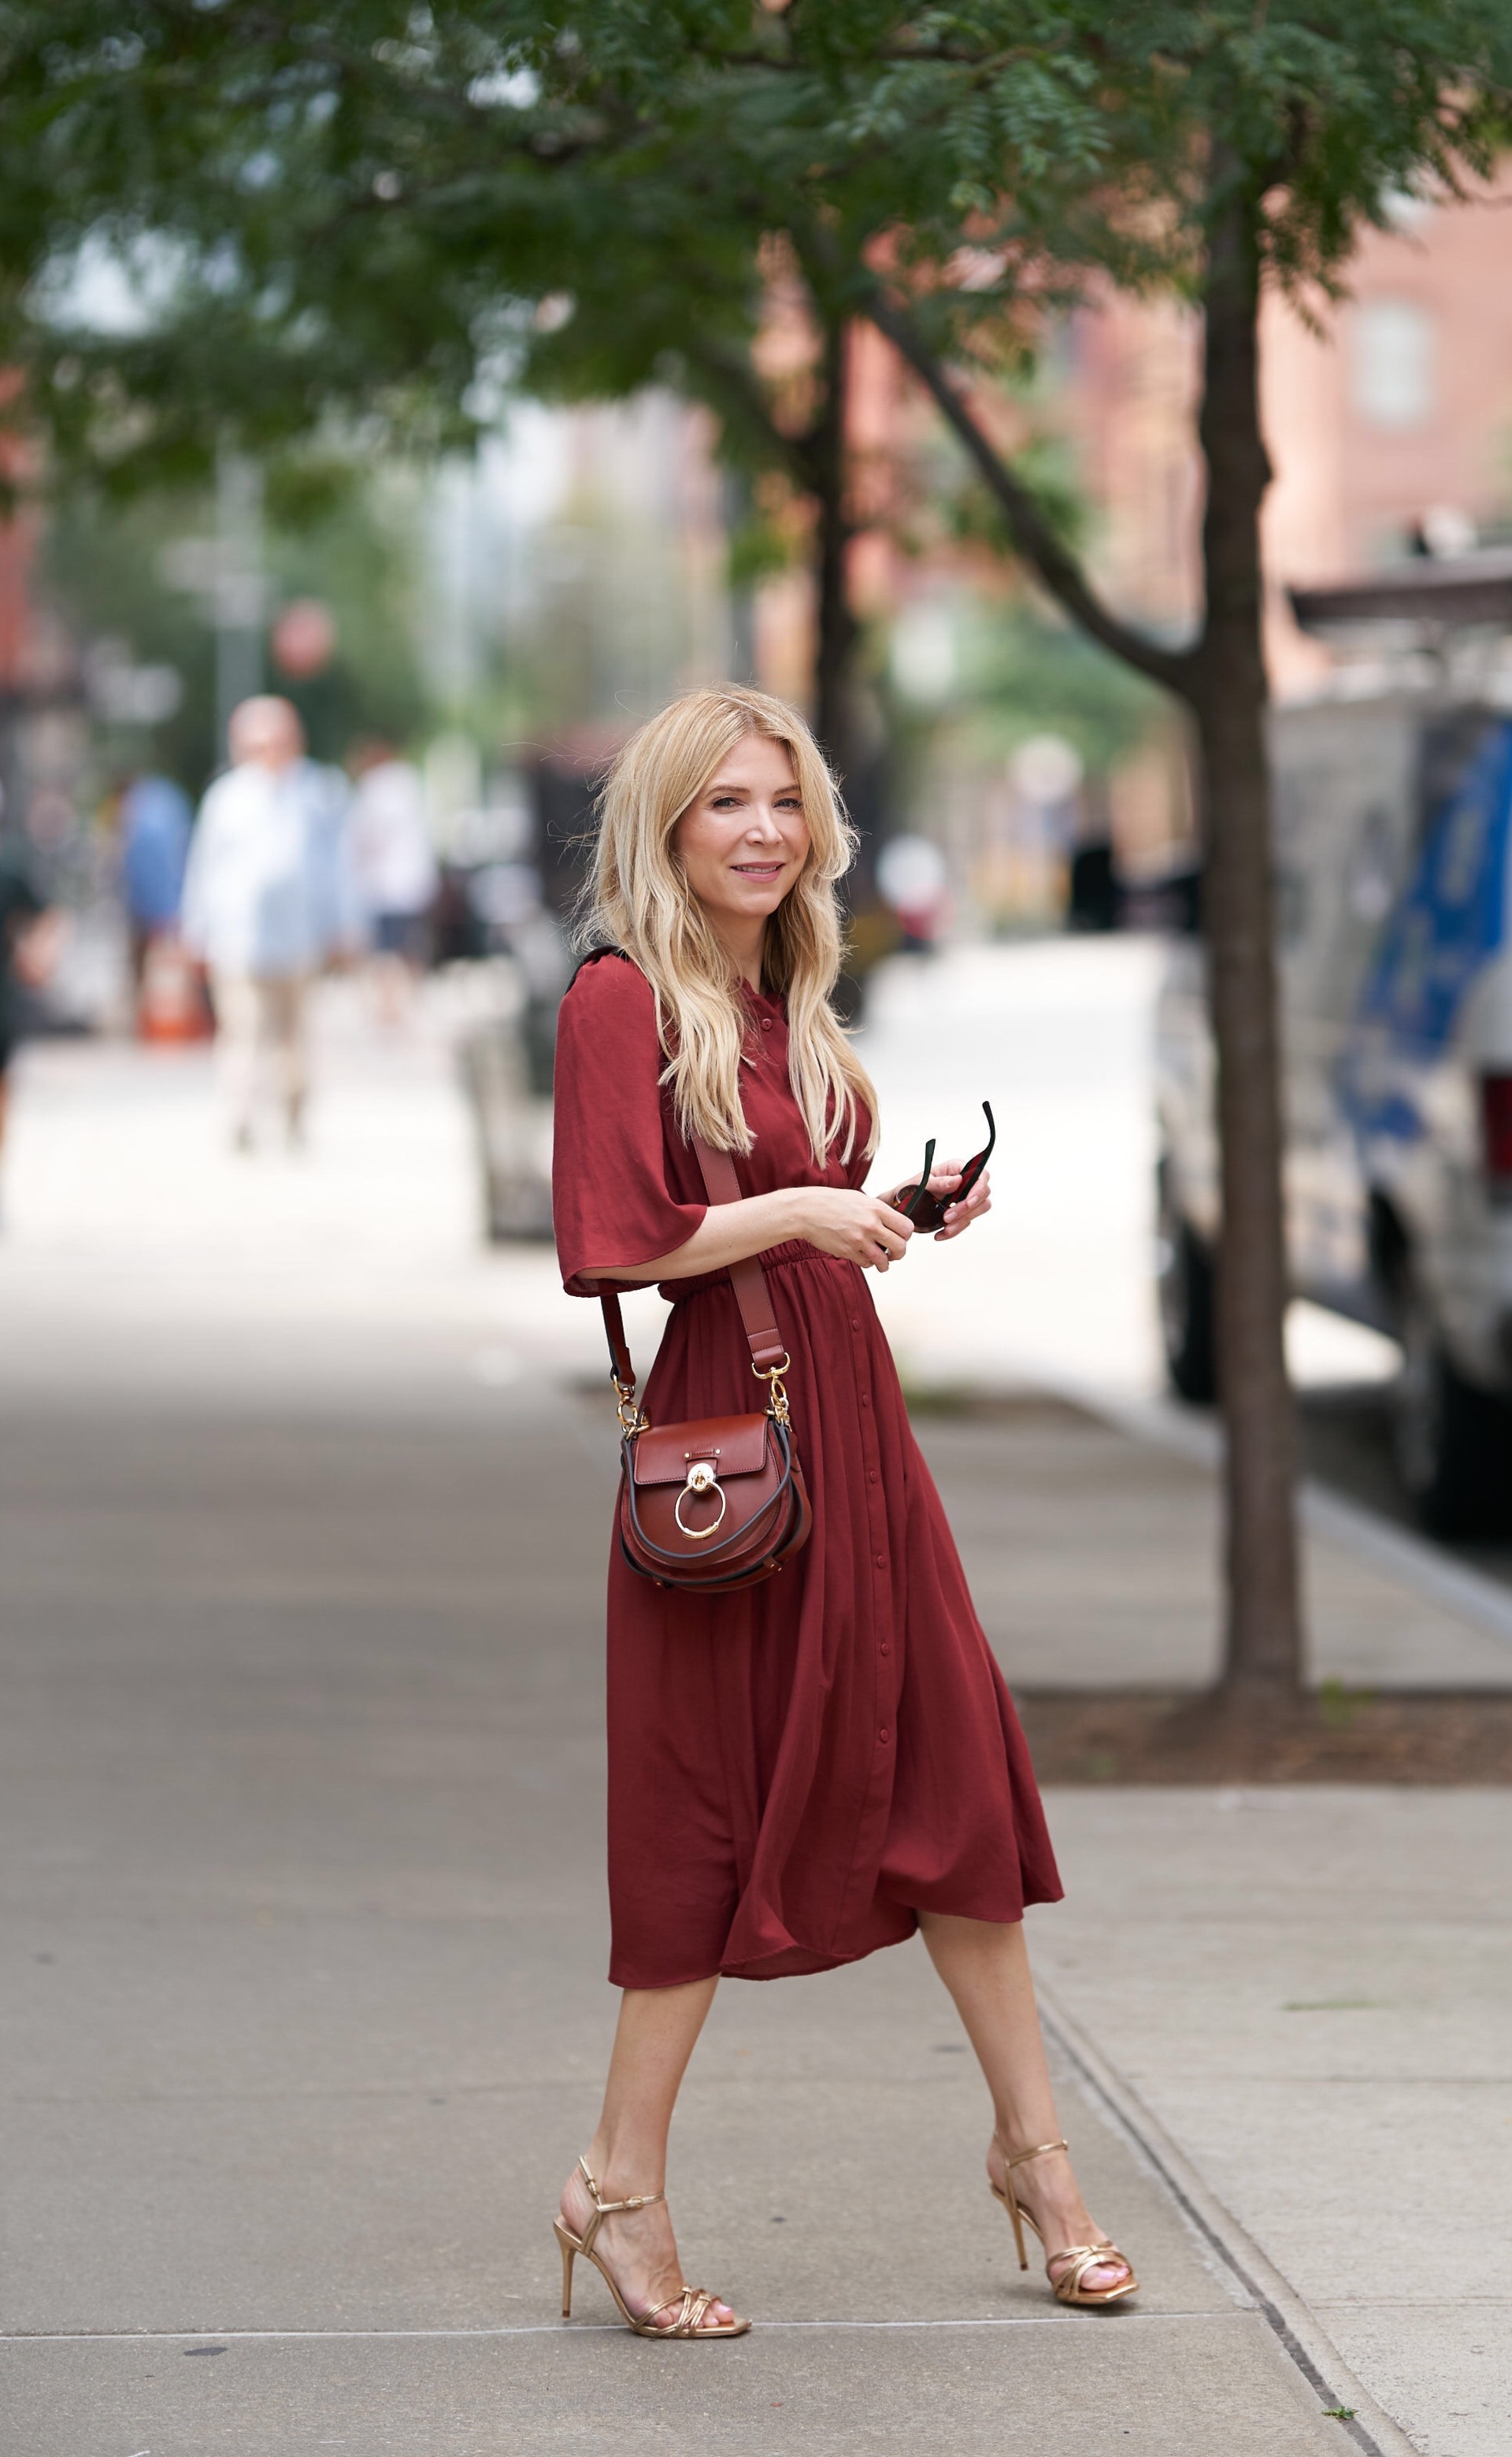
<point x="362" y="198"/>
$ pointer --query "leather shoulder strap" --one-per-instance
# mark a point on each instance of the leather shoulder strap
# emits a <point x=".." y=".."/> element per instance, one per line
<point x="596" y="955"/>
<point x="747" y="1278"/>
<point x="618" y="1345"/>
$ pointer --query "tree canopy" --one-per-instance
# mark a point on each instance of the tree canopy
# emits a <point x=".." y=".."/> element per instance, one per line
<point x="380" y="216"/>
<point x="381" y="213"/>
<point x="388" y="215"/>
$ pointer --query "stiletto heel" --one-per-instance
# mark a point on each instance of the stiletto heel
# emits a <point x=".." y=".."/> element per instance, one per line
<point x="1011" y="2203"/>
<point x="1068" y="2288"/>
<point x="688" y="2304"/>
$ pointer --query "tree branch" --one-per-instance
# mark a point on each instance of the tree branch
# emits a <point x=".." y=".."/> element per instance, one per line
<point x="1055" y="566"/>
<point x="728" y="375"/>
<point x="734" y="377"/>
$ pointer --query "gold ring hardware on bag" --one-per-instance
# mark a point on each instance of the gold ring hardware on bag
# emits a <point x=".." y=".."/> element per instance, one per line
<point x="749" y="1462"/>
<point x="703" y="1477"/>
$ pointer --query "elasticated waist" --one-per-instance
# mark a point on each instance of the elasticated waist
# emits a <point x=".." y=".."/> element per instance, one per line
<point x="777" y="1258"/>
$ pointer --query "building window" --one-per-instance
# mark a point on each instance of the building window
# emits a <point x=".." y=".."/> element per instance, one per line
<point x="1393" y="364"/>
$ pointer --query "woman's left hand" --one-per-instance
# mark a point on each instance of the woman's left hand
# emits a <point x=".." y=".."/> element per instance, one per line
<point x="945" y="1174"/>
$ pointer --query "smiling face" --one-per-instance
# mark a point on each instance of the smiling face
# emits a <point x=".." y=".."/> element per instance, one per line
<point x="744" y="840"/>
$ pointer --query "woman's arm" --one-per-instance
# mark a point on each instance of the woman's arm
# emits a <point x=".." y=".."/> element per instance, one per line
<point x="861" y="1228"/>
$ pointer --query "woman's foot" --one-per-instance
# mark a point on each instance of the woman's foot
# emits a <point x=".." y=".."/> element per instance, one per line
<point x="639" y="2247"/>
<point x="1047" y="2189"/>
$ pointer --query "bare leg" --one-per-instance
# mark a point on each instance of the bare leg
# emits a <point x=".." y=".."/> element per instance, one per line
<point x="985" y="1966"/>
<point x="394" y="983"/>
<point x="239" y="1042"/>
<point x="658" y="2030"/>
<point x="287" y="1020"/>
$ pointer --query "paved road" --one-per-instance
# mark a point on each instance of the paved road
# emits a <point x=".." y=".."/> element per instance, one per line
<point x="1347" y="1439"/>
<point x="1058" y="1286"/>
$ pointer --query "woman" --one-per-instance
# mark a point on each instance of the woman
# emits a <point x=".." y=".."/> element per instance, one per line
<point x="815" y="1766"/>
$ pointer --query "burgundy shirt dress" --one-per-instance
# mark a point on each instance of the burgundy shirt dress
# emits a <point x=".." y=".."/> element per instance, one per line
<point x="796" y="1771"/>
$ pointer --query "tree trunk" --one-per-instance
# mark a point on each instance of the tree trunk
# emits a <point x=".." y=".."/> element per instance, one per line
<point x="836" y="629"/>
<point x="1222" y="680"/>
<point x="1264" y="1634"/>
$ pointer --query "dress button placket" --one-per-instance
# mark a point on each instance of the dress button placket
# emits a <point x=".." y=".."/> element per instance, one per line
<point x="882" y="1585"/>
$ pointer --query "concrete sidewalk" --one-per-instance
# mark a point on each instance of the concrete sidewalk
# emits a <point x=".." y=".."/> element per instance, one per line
<point x="1301" y="1999"/>
<point x="301" y="1531"/>
<point x="1307" y="1995"/>
<point x="303" y="1910"/>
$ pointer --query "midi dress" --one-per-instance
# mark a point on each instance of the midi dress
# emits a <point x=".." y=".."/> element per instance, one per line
<point x="796" y="1771"/>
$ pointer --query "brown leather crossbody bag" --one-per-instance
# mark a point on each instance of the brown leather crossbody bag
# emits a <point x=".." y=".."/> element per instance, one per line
<point x="720" y="1502"/>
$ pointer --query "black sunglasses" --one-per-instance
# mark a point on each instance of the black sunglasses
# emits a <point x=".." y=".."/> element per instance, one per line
<point x="928" y="1210"/>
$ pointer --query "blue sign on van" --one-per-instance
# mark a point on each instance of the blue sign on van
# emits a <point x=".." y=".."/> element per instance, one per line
<point x="1452" y="916"/>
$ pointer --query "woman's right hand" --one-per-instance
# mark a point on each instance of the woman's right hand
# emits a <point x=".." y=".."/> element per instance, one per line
<point x="855" y="1227"/>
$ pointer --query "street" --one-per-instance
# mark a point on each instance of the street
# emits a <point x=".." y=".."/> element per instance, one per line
<point x="123" y="1211"/>
<point x="824" y="506"/>
<point x="306" y="1498"/>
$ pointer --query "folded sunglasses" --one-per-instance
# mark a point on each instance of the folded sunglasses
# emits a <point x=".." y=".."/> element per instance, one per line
<point x="928" y="1210"/>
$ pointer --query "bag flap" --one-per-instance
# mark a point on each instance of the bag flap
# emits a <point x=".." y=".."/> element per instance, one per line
<point x="734" y="1446"/>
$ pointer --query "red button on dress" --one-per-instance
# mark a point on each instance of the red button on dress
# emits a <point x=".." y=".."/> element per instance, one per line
<point x="758" y="1823"/>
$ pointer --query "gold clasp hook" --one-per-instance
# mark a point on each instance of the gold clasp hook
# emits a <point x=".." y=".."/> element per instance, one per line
<point x="631" y="1419"/>
<point x="772" y="1376"/>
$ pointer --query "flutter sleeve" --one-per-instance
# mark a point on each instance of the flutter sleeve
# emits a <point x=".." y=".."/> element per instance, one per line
<point x="610" y="1199"/>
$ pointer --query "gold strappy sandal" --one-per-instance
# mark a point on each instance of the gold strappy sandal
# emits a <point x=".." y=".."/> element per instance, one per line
<point x="688" y="2307"/>
<point x="1080" y="2258"/>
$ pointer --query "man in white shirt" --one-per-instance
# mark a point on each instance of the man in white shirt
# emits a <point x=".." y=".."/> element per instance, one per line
<point x="268" y="900"/>
<point x="393" y="865"/>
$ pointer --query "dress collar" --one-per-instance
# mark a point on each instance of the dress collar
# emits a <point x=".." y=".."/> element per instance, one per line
<point x="772" y="1000"/>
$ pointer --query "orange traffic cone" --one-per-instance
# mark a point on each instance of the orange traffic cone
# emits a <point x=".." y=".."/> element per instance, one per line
<point x="170" y="1003"/>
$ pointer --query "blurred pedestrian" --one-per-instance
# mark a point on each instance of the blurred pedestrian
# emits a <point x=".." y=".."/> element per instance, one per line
<point x="28" y="937"/>
<point x="268" y="902"/>
<point x="814" y="1767"/>
<point x="393" y="867"/>
<point x="155" y="819"/>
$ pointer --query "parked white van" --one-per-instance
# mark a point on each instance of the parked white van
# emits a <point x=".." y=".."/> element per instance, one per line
<point x="1395" y="926"/>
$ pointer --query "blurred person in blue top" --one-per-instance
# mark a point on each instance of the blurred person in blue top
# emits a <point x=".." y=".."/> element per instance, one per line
<point x="155" y="821"/>
<point x="268" y="903"/>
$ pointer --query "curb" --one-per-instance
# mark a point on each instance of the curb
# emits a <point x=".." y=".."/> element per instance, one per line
<point x="1300" y="2334"/>
<point x="1485" y="1604"/>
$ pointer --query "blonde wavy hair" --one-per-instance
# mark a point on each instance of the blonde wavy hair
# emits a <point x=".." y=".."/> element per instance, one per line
<point x="638" y="898"/>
